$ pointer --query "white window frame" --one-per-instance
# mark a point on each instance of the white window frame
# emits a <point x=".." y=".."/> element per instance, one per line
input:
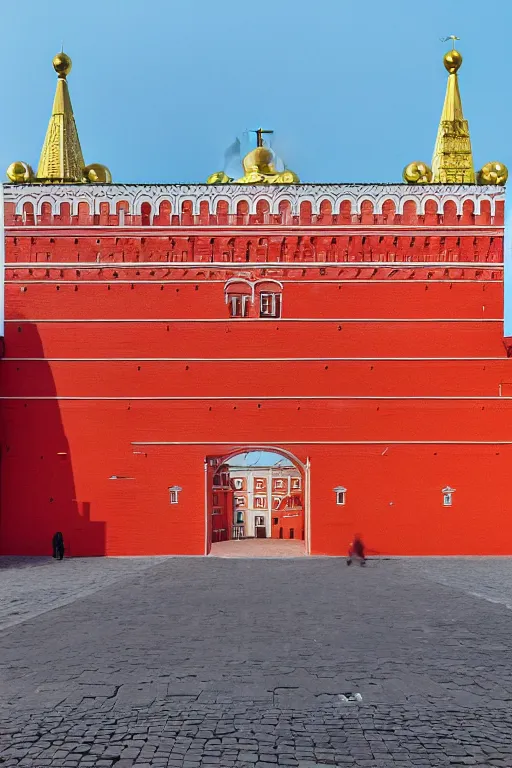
<point x="174" y="491"/>
<point x="260" y="498"/>
<point x="341" y="495"/>
<point x="238" y="301"/>
<point x="448" y="496"/>
<point x="274" y="309"/>
<point x="238" y="483"/>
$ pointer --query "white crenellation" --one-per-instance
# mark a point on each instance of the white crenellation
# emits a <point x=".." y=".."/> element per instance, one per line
<point x="176" y="194"/>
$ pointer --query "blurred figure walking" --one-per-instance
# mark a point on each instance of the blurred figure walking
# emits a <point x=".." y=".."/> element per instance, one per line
<point x="356" y="551"/>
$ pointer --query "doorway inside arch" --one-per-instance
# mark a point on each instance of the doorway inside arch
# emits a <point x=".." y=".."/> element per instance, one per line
<point x="257" y="504"/>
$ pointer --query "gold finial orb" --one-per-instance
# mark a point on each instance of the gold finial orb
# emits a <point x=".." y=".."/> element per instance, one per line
<point x="493" y="173"/>
<point x="452" y="61"/>
<point x="260" y="159"/>
<point x="288" y="177"/>
<point x="62" y="64"/>
<point x="219" y="178"/>
<point x="417" y="173"/>
<point x="20" y="172"/>
<point x="97" y="174"/>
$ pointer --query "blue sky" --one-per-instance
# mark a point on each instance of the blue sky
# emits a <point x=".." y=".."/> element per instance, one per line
<point x="259" y="459"/>
<point x="160" y="89"/>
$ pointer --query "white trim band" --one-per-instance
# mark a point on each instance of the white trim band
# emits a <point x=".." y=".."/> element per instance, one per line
<point x="241" y="320"/>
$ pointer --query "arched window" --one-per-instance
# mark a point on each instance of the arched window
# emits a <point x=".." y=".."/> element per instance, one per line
<point x="238" y="297"/>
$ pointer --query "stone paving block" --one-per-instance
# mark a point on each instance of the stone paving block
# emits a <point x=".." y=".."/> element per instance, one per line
<point x="435" y="692"/>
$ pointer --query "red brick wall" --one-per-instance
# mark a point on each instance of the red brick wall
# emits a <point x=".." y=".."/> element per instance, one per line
<point x="58" y="454"/>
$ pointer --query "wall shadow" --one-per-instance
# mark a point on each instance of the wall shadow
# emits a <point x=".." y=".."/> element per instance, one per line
<point x="37" y="487"/>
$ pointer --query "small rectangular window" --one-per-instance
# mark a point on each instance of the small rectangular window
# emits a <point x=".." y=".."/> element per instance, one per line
<point x="216" y="511"/>
<point x="340" y="497"/>
<point x="270" y="305"/>
<point x="447" y="499"/>
<point x="238" y="305"/>
<point x="279" y="484"/>
<point x="173" y="497"/>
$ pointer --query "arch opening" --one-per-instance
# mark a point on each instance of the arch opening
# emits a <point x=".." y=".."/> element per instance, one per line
<point x="257" y="503"/>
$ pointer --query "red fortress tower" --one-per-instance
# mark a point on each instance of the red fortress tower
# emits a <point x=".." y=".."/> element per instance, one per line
<point x="154" y="332"/>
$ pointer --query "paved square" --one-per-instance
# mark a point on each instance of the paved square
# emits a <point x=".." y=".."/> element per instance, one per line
<point x="232" y="662"/>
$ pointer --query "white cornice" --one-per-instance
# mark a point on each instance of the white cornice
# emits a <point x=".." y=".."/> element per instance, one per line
<point x="154" y="194"/>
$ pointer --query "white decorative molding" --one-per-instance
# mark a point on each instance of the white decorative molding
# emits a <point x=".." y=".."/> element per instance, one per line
<point x="233" y="281"/>
<point x="295" y="194"/>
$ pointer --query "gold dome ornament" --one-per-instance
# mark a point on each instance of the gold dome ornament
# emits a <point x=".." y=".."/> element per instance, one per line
<point x="20" y="173"/>
<point x="219" y="178"/>
<point x="97" y="174"/>
<point x="62" y="64"/>
<point x="417" y="173"/>
<point x="259" y="160"/>
<point x="452" y="61"/>
<point x="493" y="173"/>
<point x="259" y="168"/>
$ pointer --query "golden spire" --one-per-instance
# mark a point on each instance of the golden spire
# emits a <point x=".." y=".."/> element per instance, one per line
<point x="452" y="162"/>
<point x="61" y="158"/>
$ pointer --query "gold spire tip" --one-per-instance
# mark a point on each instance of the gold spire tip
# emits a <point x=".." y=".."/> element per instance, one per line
<point x="62" y="64"/>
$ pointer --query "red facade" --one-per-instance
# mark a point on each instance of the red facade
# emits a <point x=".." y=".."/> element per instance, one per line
<point x="154" y="332"/>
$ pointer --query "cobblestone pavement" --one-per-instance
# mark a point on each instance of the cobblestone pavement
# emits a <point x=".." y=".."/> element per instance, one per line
<point x="230" y="662"/>
<point x="30" y="586"/>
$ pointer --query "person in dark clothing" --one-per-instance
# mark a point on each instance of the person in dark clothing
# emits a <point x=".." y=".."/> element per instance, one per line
<point x="58" y="545"/>
<point x="356" y="551"/>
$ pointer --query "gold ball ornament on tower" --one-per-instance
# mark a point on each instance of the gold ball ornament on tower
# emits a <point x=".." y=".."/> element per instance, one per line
<point x="97" y="174"/>
<point x="20" y="172"/>
<point x="493" y="173"/>
<point x="417" y="173"/>
<point x="259" y="160"/>
<point x="452" y="61"/>
<point x="219" y="178"/>
<point x="62" y="64"/>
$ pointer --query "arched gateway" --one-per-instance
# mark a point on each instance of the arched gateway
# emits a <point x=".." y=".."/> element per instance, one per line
<point x="245" y="501"/>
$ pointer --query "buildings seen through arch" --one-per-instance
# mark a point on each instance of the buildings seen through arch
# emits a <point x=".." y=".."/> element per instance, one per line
<point x="258" y="494"/>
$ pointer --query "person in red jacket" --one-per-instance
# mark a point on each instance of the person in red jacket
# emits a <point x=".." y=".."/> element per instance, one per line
<point x="356" y="551"/>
